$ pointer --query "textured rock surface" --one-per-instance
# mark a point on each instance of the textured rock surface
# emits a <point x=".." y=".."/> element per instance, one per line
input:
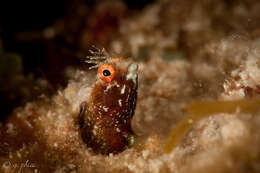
<point x="183" y="58"/>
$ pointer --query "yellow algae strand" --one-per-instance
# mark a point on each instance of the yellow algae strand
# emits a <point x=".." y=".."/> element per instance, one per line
<point x="199" y="110"/>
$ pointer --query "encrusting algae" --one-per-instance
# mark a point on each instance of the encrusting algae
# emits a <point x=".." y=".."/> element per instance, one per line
<point x="48" y="133"/>
<point x="203" y="109"/>
<point x="200" y="56"/>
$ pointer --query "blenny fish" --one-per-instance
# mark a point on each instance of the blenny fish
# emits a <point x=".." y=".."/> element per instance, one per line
<point x="105" y="118"/>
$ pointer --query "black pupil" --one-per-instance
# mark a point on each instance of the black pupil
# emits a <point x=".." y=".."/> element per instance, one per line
<point x="106" y="73"/>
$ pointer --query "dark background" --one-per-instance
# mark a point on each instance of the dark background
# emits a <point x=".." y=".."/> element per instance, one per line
<point x="21" y="26"/>
<point x="21" y="16"/>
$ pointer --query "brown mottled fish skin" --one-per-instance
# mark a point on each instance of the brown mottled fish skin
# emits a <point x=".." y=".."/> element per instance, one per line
<point x="105" y="119"/>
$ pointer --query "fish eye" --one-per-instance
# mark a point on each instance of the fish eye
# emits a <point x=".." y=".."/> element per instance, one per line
<point x="106" y="72"/>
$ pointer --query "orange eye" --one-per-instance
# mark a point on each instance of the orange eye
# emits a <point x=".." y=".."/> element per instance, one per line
<point x="106" y="72"/>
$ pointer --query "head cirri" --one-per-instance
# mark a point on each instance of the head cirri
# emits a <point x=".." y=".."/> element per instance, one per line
<point x="106" y="119"/>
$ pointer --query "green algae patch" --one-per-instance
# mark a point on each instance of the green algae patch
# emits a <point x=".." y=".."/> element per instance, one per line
<point x="199" y="110"/>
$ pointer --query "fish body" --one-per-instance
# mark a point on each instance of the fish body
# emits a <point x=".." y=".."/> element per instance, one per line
<point x="105" y="118"/>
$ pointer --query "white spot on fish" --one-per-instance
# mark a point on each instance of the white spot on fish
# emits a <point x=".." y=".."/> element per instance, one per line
<point x="123" y="90"/>
<point x="105" y="108"/>
<point x="120" y="102"/>
<point x="117" y="129"/>
<point x="107" y="88"/>
<point x="127" y="97"/>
